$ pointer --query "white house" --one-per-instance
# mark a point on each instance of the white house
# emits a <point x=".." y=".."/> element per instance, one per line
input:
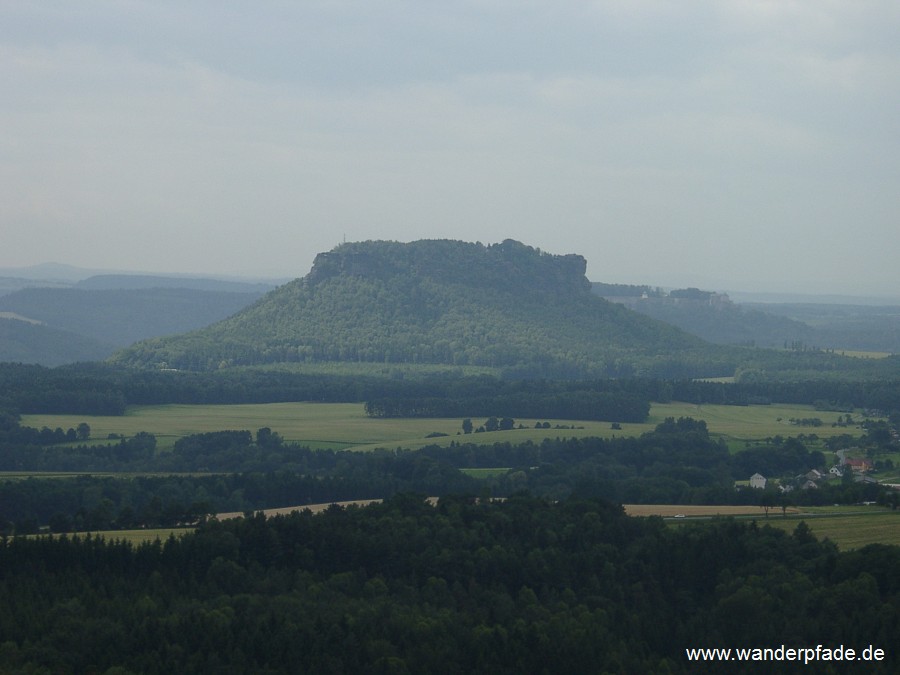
<point x="758" y="481"/>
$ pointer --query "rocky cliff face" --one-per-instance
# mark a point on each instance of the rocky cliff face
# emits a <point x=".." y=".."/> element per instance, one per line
<point x="509" y="265"/>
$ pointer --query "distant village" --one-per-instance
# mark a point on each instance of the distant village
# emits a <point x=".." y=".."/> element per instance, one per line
<point x="857" y="469"/>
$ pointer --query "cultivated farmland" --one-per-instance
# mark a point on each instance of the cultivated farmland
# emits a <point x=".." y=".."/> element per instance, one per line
<point x="345" y="425"/>
<point x="848" y="527"/>
<point x="849" y="530"/>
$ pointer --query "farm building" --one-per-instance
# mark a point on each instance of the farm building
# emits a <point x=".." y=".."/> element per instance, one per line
<point x="814" y="475"/>
<point x="858" y="465"/>
<point x="758" y="481"/>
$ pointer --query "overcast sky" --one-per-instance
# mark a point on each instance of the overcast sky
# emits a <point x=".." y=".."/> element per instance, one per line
<point x="732" y="145"/>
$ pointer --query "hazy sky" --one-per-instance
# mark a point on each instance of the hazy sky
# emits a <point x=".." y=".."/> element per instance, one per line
<point x="734" y="145"/>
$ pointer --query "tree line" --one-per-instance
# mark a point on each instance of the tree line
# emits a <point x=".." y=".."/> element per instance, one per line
<point x="101" y="389"/>
<point x="581" y="405"/>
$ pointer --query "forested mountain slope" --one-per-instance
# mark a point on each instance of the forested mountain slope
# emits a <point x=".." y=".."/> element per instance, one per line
<point x="145" y="281"/>
<point x="779" y="325"/>
<point x="734" y="324"/>
<point x="27" y="342"/>
<point x="843" y="326"/>
<point x="506" y="305"/>
<point x="118" y="317"/>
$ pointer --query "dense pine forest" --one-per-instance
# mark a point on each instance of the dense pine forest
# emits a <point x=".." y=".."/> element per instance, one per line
<point x="102" y="389"/>
<point x="520" y="586"/>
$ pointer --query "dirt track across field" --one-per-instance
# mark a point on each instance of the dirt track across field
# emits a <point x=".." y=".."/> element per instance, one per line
<point x="671" y="510"/>
<point x="665" y="510"/>
<point x="315" y="508"/>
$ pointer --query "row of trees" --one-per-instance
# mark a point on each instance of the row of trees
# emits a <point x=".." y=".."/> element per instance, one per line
<point x="580" y="405"/>
<point x="11" y="432"/>
<point x="491" y="424"/>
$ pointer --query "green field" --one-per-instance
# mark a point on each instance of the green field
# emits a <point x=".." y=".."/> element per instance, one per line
<point x="849" y="530"/>
<point x="319" y="425"/>
<point x="849" y="527"/>
<point x="755" y="422"/>
<point x="345" y="425"/>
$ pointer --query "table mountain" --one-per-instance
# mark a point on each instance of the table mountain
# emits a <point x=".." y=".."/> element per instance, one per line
<point x="507" y="306"/>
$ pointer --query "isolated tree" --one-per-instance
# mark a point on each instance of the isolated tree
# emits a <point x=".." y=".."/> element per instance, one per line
<point x="83" y="431"/>
<point x="467" y="426"/>
<point x="265" y="437"/>
<point x="784" y="501"/>
<point x="768" y="500"/>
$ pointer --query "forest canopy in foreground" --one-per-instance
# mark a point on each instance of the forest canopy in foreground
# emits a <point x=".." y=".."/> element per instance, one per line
<point x="521" y="586"/>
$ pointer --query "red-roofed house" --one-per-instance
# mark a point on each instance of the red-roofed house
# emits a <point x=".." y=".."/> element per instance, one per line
<point x="860" y="465"/>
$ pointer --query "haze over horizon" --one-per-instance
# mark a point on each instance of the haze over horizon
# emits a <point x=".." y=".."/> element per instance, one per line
<point x="728" y="145"/>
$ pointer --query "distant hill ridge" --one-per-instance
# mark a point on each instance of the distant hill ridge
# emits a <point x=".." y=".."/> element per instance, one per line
<point x="27" y="342"/>
<point x="146" y="281"/>
<point x="715" y="318"/>
<point x="505" y="305"/>
<point x="118" y="317"/>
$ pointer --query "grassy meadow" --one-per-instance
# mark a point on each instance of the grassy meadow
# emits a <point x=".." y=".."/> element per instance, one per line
<point x="849" y="527"/>
<point x="345" y="425"/>
<point x="848" y="530"/>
